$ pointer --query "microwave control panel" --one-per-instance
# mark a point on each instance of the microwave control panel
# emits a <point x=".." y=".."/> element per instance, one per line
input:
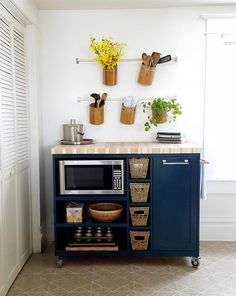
<point x="117" y="177"/>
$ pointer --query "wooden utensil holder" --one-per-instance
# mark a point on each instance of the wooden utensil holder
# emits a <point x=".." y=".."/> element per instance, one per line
<point x="146" y="75"/>
<point x="96" y="115"/>
<point x="127" y="115"/>
<point x="110" y="76"/>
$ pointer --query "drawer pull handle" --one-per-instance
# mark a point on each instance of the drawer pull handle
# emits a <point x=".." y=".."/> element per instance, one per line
<point x="185" y="162"/>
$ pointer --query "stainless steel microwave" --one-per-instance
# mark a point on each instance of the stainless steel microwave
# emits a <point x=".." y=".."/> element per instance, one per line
<point x="91" y="177"/>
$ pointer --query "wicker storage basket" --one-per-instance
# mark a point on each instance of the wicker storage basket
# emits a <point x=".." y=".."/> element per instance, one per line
<point x="139" y="192"/>
<point x="139" y="215"/>
<point x="138" y="167"/>
<point x="139" y="240"/>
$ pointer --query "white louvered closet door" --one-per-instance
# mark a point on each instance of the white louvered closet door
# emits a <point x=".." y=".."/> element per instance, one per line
<point x="14" y="148"/>
<point x="8" y="152"/>
<point x="22" y="141"/>
<point x="7" y="100"/>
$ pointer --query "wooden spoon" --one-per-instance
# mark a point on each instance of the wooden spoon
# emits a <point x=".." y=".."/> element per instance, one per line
<point x="149" y="61"/>
<point x="145" y="58"/>
<point x="103" y="99"/>
<point x="156" y="57"/>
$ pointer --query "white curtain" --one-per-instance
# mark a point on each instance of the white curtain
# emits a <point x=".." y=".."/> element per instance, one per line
<point x="220" y="106"/>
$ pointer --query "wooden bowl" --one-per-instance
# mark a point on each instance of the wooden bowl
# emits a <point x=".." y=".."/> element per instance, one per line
<point x="105" y="211"/>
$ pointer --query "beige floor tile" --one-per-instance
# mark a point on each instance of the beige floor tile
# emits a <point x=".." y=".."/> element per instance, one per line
<point x="122" y="293"/>
<point x="155" y="282"/>
<point x="141" y="276"/>
<point x="99" y="290"/>
<point x="56" y="291"/>
<point x="14" y="291"/>
<point x="111" y="281"/>
<point x="30" y="282"/>
<point x="160" y="293"/>
<point x="70" y="283"/>
<point x="81" y="292"/>
<point x="142" y="290"/>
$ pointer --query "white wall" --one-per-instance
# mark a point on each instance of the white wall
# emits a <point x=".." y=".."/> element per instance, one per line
<point x="64" y="36"/>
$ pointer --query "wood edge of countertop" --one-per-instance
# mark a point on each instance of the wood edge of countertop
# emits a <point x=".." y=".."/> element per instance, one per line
<point x="127" y="148"/>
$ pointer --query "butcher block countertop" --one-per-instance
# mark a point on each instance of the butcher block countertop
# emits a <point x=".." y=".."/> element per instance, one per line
<point x="126" y="148"/>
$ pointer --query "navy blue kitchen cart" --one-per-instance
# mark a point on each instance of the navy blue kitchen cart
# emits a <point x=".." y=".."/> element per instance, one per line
<point x="173" y="201"/>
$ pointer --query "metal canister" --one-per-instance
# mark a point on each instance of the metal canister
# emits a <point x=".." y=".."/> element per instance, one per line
<point x="73" y="132"/>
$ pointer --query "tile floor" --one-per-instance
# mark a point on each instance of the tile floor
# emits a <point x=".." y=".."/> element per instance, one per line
<point x="114" y="276"/>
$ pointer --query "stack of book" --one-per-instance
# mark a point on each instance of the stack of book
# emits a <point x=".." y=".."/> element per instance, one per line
<point x="171" y="138"/>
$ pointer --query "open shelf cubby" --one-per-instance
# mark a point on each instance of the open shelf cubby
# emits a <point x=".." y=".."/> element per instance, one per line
<point x="66" y="235"/>
<point x="87" y="219"/>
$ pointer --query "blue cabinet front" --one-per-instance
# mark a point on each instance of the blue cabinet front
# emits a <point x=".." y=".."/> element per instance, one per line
<point x="173" y="200"/>
<point x="176" y="203"/>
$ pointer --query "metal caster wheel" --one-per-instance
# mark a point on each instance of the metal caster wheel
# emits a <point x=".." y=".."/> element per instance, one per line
<point x="60" y="262"/>
<point x="195" y="261"/>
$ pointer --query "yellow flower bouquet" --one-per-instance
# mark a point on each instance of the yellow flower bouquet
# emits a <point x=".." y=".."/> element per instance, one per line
<point x="108" y="54"/>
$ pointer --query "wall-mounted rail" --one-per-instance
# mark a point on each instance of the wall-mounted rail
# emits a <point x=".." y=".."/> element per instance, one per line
<point x="79" y="60"/>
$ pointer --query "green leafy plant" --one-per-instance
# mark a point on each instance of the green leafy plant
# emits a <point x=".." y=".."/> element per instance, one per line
<point x="162" y="110"/>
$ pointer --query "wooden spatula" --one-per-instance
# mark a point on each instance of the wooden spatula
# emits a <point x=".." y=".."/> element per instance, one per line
<point x="155" y="58"/>
<point x="149" y="61"/>
<point x="103" y="99"/>
<point x="145" y="58"/>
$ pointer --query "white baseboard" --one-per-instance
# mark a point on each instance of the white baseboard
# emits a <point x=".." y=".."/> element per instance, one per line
<point x="218" y="229"/>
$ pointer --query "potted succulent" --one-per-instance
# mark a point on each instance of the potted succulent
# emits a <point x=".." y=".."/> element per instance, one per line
<point x="162" y="110"/>
<point x="108" y="54"/>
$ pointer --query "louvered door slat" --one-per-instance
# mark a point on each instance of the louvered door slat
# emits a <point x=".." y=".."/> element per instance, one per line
<point x="5" y="52"/>
<point x="4" y="37"/>
<point x="4" y="76"/>
<point x="19" y="62"/>
<point x="7" y="97"/>
<point x="5" y="64"/>
<point x="5" y="43"/>
<point x="20" y="77"/>
<point x="19" y="58"/>
<point x="14" y="107"/>
<point x="19" y="71"/>
<point x="4" y="33"/>
<point x="5" y="60"/>
<point x="6" y="90"/>
<point x="21" y="98"/>
<point x="4" y="28"/>
<point x="19" y="43"/>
